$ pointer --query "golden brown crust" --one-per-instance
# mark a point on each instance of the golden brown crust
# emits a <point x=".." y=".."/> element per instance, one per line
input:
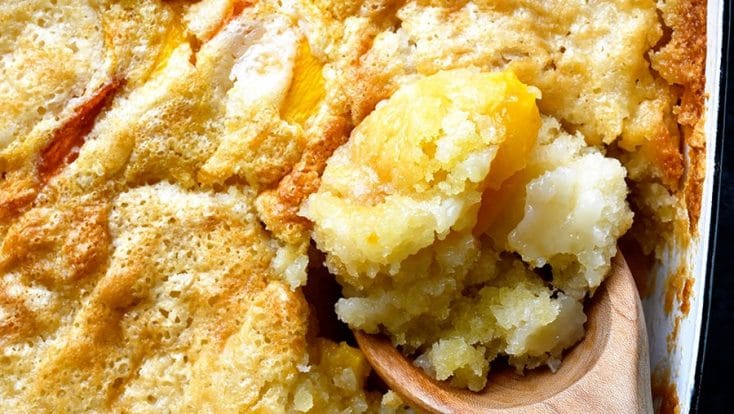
<point x="696" y="174"/>
<point x="19" y="321"/>
<point x="664" y="393"/>
<point x="678" y="285"/>
<point x="57" y="248"/>
<point x="126" y="284"/>
<point x="18" y="189"/>
<point x="132" y="280"/>
<point x="279" y="207"/>
<point x="682" y="60"/>
<point x="662" y="149"/>
<point x="678" y="288"/>
<point x="77" y="235"/>
<point x="369" y="87"/>
<point x="127" y="309"/>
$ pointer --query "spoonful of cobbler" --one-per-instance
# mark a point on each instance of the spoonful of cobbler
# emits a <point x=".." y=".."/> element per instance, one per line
<point x="608" y="371"/>
<point x="464" y="225"/>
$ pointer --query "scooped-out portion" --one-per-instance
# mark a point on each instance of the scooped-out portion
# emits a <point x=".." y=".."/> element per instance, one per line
<point x="444" y="212"/>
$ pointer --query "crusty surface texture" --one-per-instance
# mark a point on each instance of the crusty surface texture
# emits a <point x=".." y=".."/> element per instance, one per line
<point x="135" y="272"/>
<point x="158" y="160"/>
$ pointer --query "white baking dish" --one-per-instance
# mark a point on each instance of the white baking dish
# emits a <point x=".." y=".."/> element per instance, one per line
<point x="676" y="360"/>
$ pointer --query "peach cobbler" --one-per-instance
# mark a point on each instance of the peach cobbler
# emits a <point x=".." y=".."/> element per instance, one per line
<point x="181" y="181"/>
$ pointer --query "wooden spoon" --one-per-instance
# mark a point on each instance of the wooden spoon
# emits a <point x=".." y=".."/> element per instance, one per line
<point x="607" y="372"/>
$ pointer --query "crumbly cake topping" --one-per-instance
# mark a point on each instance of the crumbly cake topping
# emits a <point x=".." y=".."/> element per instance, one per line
<point x="156" y="158"/>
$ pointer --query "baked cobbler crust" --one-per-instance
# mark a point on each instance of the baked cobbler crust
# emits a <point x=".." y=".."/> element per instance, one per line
<point x="156" y="158"/>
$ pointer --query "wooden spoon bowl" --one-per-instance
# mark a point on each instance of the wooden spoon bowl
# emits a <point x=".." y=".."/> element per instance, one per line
<point x="607" y="372"/>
